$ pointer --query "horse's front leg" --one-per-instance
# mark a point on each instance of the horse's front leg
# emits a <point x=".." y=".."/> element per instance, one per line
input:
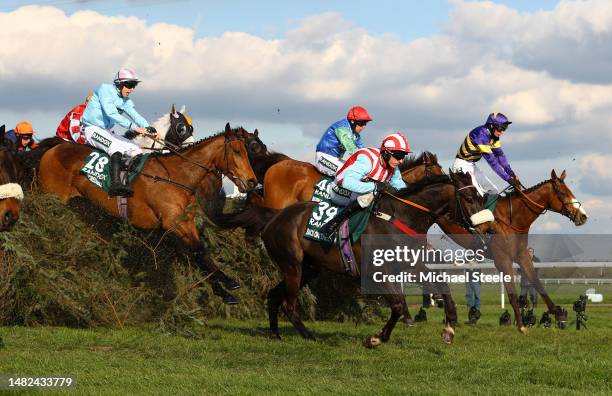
<point x="529" y="271"/>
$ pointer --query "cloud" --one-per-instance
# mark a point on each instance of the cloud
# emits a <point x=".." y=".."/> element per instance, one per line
<point x="544" y="69"/>
<point x="596" y="177"/>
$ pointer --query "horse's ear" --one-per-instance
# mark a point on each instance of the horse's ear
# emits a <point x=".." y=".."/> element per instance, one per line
<point x="563" y="174"/>
<point x="228" y="129"/>
<point x="553" y="174"/>
<point x="256" y="133"/>
<point x="2" y="132"/>
<point x="182" y="110"/>
<point x="173" y="110"/>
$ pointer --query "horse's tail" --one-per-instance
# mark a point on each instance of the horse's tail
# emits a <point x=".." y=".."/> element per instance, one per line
<point x="252" y="218"/>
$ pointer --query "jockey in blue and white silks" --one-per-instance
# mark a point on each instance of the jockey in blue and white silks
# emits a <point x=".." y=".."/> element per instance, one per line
<point x="363" y="174"/>
<point x="483" y="141"/>
<point x="109" y="105"/>
<point x="341" y="137"/>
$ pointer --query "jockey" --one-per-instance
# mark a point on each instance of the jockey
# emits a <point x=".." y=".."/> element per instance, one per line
<point x="483" y="141"/>
<point x="342" y="136"/>
<point x="108" y="106"/>
<point x="69" y="128"/>
<point x="21" y="137"/>
<point x="365" y="173"/>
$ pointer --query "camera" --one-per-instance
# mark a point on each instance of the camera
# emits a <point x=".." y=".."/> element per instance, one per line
<point x="580" y="304"/>
<point x="579" y="308"/>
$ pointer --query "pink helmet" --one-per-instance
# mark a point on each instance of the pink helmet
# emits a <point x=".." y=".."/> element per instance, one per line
<point x="124" y="75"/>
<point x="395" y="142"/>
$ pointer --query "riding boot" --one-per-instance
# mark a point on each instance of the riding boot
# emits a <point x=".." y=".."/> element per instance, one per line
<point x="117" y="187"/>
<point x="330" y="227"/>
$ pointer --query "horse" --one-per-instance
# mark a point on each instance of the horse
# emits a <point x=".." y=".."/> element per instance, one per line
<point x="175" y="130"/>
<point x="300" y="259"/>
<point x="11" y="193"/>
<point x="514" y="215"/>
<point x="286" y="181"/>
<point x="164" y="190"/>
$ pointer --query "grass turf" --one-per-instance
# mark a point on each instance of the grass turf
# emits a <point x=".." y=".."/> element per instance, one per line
<point x="236" y="357"/>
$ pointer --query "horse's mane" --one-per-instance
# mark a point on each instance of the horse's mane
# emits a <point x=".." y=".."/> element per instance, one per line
<point x="261" y="164"/>
<point x="412" y="160"/>
<point x="196" y="143"/>
<point x="415" y="188"/>
<point x="535" y="187"/>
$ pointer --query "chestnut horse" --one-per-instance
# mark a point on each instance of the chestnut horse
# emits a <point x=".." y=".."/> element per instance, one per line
<point x="11" y="193"/>
<point x="163" y="192"/>
<point x="514" y="215"/>
<point x="300" y="259"/>
<point x="287" y="181"/>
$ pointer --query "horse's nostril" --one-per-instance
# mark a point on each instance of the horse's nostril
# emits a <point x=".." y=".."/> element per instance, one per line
<point x="8" y="217"/>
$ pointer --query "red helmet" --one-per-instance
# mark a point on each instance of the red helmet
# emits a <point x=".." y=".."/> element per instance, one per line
<point x="395" y="142"/>
<point x="358" y="113"/>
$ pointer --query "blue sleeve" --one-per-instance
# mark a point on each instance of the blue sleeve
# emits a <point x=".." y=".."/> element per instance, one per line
<point x="107" y="102"/>
<point x="493" y="161"/>
<point x="503" y="161"/>
<point x="137" y="118"/>
<point x="396" y="180"/>
<point x="357" y="171"/>
<point x="359" y="142"/>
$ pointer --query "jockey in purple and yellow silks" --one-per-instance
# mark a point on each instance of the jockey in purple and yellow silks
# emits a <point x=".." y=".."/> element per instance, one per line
<point x="341" y="137"/>
<point x="483" y="141"/>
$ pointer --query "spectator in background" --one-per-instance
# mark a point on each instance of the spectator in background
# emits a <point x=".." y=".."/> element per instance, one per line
<point x="527" y="288"/>
<point x="472" y="292"/>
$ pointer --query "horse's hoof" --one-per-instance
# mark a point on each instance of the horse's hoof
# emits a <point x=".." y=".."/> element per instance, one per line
<point x="523" y="329"/>
<point x="274" y="336"/>
<point x="230" y="300"/>
<point x="408" y="322"/>
<point x="562" y="324"/>
<point x="231" y="284"/>
<point x="448" y="335"/>
<point x="372" y="342"/>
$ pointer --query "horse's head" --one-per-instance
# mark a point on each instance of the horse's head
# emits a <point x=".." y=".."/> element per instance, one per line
<point x="421" y="168"/>
<point x="10" y="191"/>
<point x="237" y="166"/>
<point x="468" y="207"/>
<point x="563" y="200"/>
<point x="255" y="147"/>
<point x="180" y="129"/>
<point x="175" y="128"/>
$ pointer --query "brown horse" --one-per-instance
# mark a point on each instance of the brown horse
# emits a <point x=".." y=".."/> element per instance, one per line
<point x="163" y="192"/>
<point x="11" y="193"/>
<point x="300" y="259"/>
<point x="514" y="215"/>
<point x="287" y="181"/>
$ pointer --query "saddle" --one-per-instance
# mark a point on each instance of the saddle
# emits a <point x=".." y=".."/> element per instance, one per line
<point x="97" y="170"/>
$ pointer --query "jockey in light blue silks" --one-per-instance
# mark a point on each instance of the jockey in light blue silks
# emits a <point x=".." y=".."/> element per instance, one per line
<point x="365" y="173"/>
<point x="108" y="106"/>
<point x="341" y="137"/>
<point x="483" y="141"/>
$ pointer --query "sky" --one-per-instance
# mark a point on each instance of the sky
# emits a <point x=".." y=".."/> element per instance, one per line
<point x="432" y="70"/>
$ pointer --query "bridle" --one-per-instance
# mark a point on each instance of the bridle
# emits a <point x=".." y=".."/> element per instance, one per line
<point x="214" y="170"/>
<point x="560" y="195"/>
